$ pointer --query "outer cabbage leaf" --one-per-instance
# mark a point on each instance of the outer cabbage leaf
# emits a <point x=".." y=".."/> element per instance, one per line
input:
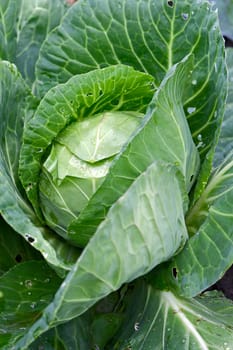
<point x="25" y="291"/>
<point x="225" y="143"/>
<point x="14" y="249"/>
<point x="162" y="320"/>
<point x="151" y="36"/>
<point x="36" y="18"/>
<point x="16" y="105"/>
<point x="137" y="234"/>
<point x="92" y="330"/>
<point x="8" y="34"/>
<point x="209" y="253"/>
<point x="24" y="25"/>
<point x="75" y="334"/>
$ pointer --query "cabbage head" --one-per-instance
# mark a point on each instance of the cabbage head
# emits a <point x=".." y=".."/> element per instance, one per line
<point x="116" y="210"/>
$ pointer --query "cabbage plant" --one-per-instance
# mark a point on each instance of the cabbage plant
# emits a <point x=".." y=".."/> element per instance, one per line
<point x="115" y="175"/>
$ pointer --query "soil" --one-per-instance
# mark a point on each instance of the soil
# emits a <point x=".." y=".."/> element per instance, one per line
<point x="225" y="284"/>
<point x="228" y="42"/>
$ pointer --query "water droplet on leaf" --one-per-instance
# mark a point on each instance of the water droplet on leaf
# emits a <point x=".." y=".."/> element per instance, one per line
<point x="191" y="110"/>
<point x="28" y="283"/>
<point x="185" y="16"/>
<point x="33" y="305"/>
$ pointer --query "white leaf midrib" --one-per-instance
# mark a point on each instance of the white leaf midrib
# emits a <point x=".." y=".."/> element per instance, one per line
<point x="170" y="299"/>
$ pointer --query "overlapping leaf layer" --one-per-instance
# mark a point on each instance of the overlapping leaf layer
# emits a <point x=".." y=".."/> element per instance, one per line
<point x="158" y="230"/>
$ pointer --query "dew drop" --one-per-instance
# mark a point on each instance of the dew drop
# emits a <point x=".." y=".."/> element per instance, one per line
<point x="199" y="137"/>
<point x="201" y="145"/>
<point x="191" y="110"/>
<point x="194" y="82"/>
<point x="185" y="16"/>
<point x="29" y="187"/>
<point x="28" y="283"/>
<point x="33" y="305"/>
<point x="170" y="3"/>
<point x="136" y="326"/>
<point x="63" y="284"/>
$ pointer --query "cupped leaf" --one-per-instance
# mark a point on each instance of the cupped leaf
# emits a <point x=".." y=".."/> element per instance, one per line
<point x="162" y="320"/>
<point x="17" y="105"/>
<point x="164" y="135"/>
<point x="151" y="36"/>
<point x="113" y="88"/>
<point x="100" y="136"/>
<point x="25" y="291"/>
<point x="78" y="163"/>
<point x="36" y="18"/>
<point x="209" y="253"/>
<point x="137" y="234"/>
